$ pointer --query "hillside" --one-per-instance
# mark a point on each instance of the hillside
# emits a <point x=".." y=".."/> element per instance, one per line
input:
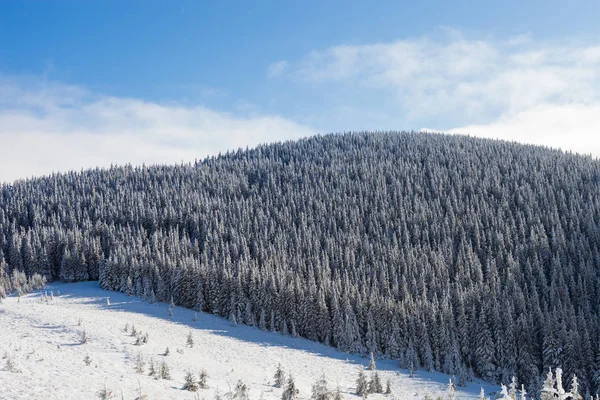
<point x="42" y="338"/>
<point x="466" y="256"/>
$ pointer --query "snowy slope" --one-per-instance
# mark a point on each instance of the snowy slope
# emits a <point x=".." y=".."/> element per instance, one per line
<point x="43" y="341"/>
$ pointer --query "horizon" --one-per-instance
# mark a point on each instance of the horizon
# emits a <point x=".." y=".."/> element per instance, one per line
<point x="220" y="154"/>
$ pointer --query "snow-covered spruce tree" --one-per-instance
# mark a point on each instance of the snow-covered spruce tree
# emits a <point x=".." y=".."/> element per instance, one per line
<point x="513" y="388"/>
<point x="548" y="390"/>
<point x="190" y="340"/>
<point x="190" y="383"/>
<point x="202" y="379"/>
<point x="372" y="365"/>
<point x="320" y="390"/>
<point x="241" y="391"/>
<point x="362" y="386"/>
<point x="140" y="364"/>
<point x="105" y="393"/>
<point x="152" y="368"/>
<point x="165" y="373"/>
<point x="450" y="391"/>
<point x="482" y="395"/>
<point x="337" y="395"/>
<point x="375" y="383"/>
<point x="290" y="392"/>
<point x="523" y="393"/>
<point x="279" y="377"/>
<point x="388" y="387"/>
<point x="504" y="393"/>
<point x="575" y="395"/>
<point x="83" y="337"/>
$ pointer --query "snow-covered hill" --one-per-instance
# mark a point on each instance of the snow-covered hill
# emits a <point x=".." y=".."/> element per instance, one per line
<point x="42" y="339"/>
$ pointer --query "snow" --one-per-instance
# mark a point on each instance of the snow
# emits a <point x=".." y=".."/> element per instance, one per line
<point x="43" y="340"/>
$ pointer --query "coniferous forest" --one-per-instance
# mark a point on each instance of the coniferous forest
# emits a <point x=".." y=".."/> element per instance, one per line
<point x="467" y="256"/>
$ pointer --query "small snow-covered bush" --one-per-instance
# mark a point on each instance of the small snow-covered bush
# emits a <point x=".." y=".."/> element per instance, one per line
<point x="139" y="363"/>
<point x="190" y="384"/>
<point x="105" y="393"/>
<point x="11" y="366"/>
<point x="202" y="379"/>
<point x="279" y="377"/>
<point x="83" y="337"/>
<point x="165" y="373"/>
<point x="241" y="391"/>
<point x="152" y="369"/>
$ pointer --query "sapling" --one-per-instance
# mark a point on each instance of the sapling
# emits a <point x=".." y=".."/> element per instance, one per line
<point x="190" y="384"/>
<point x="164" y="371"/>
<point x="83" y="337"/>
<point x="139" y="363"/>
<point x="202" y="379"/>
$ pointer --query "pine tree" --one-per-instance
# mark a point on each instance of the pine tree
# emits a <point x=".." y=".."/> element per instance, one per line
<point x="190" y="384"/>
<point x="575" y="395"/>
<point x="548" y="390"/>
<point x="451" y="391"/>
<point x="139" y="363"/>
<point x="320" y="391"/>
<point x="279" y="377"/>
<point x="362" y="387"/>
<point x="337" y="395"/>
<point x="202" y="377"/>
<point x="152" y="369"/>
<point x="241" y="391"/>
<point x="190" y="340"/>
<point x="290" y="392"/>
<point x="375" y="383"/>
<point x="165" y="373"/>
<point x="372" y="366"/>
<point x="512" y="389"/>
<point x="523" y="393"/>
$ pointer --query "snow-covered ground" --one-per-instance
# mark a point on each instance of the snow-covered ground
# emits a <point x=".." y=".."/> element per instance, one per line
<point x="42" y="339"/>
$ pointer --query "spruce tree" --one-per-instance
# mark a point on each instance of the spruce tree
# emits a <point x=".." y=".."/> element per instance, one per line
<point x="190" y="384"/>
<point x="362" y="387"/>
<point x="320" y="390"/>
<point x="375" y="383"/>
<point x="291" y="392"/>
<point x="279" y="377"/>
<point x="241" y="391"/>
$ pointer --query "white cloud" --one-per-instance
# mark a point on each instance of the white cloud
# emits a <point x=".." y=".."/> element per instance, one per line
<point x="574" y="127"/>
<point x="277" y="68"/>
<point x="517" y="89"/>
<point x="46" y="127"/>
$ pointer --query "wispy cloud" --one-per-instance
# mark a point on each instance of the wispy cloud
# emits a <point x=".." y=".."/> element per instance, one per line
<point x="50" y="126"/>
<point x="277" y="68"/>
<point x="518" y="88"/>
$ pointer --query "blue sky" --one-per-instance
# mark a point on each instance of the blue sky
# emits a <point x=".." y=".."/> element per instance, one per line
<point x="179" y="80"/>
